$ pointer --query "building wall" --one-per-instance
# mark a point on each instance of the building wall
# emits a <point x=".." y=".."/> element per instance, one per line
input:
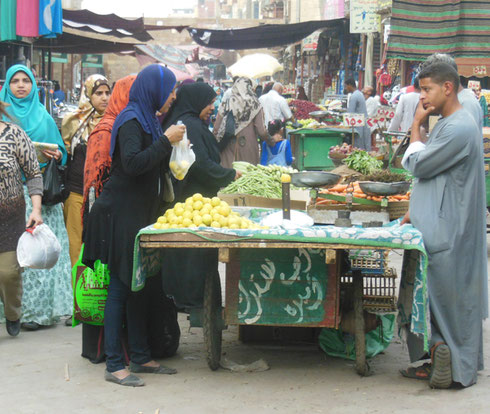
<point x="305" y="10"/>
<point x="72" y="4"/>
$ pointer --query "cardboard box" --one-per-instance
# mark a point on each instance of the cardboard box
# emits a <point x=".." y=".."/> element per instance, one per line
<point x="299" y="200"/>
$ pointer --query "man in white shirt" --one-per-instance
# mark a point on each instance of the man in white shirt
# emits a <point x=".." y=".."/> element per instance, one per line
<point x="372" y="105"/>
<point x="275" y="106"/>
<point x="405" y="110"/>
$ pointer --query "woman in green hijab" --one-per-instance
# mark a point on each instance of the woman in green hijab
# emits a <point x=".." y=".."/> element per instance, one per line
<point x="47" y="293"/>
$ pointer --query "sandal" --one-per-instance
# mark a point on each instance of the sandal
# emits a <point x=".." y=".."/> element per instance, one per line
<point x="421" y="373"/>
<point x="441" y="375"/>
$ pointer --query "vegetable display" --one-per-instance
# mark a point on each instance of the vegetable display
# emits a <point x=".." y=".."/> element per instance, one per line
<point x="258" y="180"/>
<point x="385" y="176"/>
<point x="362" y="162"/>
<point x="303" y="108"/>
<point x="355" y="189"/>
<point x="199" y="211"/>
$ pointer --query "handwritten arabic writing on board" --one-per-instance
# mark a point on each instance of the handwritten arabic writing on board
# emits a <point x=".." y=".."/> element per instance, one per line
<point x="363" y="16"/>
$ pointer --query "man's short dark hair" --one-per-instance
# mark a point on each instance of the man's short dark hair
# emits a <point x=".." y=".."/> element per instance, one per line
<point x="439" y="73"/>
<point x="351" y="82"/>
<point x="416" y="83"/>
<point x="440" y="58"/>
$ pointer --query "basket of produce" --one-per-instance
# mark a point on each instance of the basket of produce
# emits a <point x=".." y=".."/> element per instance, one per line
<point x="339" y="153"/>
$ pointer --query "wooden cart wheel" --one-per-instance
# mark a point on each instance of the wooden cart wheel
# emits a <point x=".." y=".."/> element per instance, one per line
<point x="212" y="319"/>
<point x="362" y="367"/>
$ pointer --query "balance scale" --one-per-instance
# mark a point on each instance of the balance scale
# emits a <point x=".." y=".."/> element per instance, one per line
<point x="351" y="212"/>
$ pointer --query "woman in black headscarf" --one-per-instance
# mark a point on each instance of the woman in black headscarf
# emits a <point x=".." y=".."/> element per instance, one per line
<point x="184" y="270"/>
<point x="194" y="106"/>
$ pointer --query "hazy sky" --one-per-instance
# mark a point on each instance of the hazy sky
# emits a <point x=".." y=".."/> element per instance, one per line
<point x="138" y="8"/>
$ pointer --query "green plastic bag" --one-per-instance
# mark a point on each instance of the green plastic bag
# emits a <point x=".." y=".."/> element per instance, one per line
<point x="336" y="343"/>
<point x="90" y="292"/>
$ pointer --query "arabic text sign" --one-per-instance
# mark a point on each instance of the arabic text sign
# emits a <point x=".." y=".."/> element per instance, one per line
<point x="354" y="120"/>
<point x="480" y="70"/>
<point x="363" y="16"/>
<point x="385" y="112"/>
<point x="472" y="84"/>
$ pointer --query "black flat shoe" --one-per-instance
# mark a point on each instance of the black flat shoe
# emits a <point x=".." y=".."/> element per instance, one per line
<point x="139" y="369"/>
<point x="130" y="381"/>
<point x="30" y="326"/>
<point x="13" y="328"/>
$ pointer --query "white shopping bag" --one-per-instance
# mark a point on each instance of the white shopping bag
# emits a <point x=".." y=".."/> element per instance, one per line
<point x="38" y="248"/>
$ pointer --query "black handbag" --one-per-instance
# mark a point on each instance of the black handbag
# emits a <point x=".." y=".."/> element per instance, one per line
<point x="54" y="190"/>
<point x="230" y="126"/>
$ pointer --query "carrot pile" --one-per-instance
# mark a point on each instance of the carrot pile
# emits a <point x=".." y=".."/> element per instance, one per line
<point x="355" y="189"/>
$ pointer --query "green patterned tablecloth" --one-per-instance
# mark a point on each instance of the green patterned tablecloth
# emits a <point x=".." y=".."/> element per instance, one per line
<point x="413" y="297"/>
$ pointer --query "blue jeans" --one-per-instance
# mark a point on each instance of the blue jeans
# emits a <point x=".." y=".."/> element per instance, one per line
<point x="120" y="296"/>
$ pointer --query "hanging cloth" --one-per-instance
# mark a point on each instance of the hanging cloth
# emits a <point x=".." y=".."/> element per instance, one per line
<point x="8" y="16"/>
<point x="27" y="18"/>
<point x="50" y="18"/>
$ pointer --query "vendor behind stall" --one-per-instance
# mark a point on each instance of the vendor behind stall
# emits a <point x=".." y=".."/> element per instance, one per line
<point x="183" y="274"/>
<point x="357" y="105"/>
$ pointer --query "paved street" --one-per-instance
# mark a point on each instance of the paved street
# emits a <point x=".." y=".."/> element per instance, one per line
<point x="301" y="379"/>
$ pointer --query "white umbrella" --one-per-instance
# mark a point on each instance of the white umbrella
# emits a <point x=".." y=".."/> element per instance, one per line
<point x="255" y="66"/>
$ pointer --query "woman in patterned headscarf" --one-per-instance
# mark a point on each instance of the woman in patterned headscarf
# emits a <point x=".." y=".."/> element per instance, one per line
<point x="98" y="161"/>
<point x="75" y="130"/>
<point x="249" y="124"/>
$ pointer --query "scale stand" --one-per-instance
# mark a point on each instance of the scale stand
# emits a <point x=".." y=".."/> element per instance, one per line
<point x="343" y="219"/>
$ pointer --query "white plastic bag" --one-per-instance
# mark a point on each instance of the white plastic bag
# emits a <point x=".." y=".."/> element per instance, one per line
<point x="298" y="220"/>
<point x="38" y="248"/>
<point x="182" y="157"/>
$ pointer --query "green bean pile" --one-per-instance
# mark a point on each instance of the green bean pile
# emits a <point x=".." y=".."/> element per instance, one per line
<point x="258" y="180"/>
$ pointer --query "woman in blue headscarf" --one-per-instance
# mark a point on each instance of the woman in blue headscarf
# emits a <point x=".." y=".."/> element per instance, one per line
<point x="140" y="153"/>
<point x="47" y="293"/>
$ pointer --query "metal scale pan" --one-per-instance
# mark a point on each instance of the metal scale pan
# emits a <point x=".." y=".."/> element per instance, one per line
<point x="315" y="179"/>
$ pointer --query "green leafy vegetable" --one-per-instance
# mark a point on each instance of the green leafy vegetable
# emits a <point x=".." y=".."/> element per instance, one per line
<point x="362" y="162"/>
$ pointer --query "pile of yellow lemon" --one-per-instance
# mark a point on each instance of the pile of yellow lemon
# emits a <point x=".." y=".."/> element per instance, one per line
<point x="199" y="211"/>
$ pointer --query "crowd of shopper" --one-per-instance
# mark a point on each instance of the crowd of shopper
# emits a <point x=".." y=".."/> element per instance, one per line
<point x="117" y="147"/>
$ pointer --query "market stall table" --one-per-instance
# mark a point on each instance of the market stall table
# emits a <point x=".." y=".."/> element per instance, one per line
<point x="260" y="291"/>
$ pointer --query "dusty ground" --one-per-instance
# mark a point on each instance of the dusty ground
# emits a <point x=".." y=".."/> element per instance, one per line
<point x="301" y="379"/>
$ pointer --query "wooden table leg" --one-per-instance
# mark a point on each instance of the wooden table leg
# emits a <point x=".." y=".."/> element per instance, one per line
<point x="212" y="319"/>
<point x="360" y="336"/>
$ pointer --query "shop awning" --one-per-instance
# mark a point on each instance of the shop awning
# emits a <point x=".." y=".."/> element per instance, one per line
<point x="85" y="32"/>
<point x="168" y="55"/>
<point x="422" y="27"/>
<point x="259" y="37"/>
<point x="82" y="42"/>
<point x="108" y="24"/>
